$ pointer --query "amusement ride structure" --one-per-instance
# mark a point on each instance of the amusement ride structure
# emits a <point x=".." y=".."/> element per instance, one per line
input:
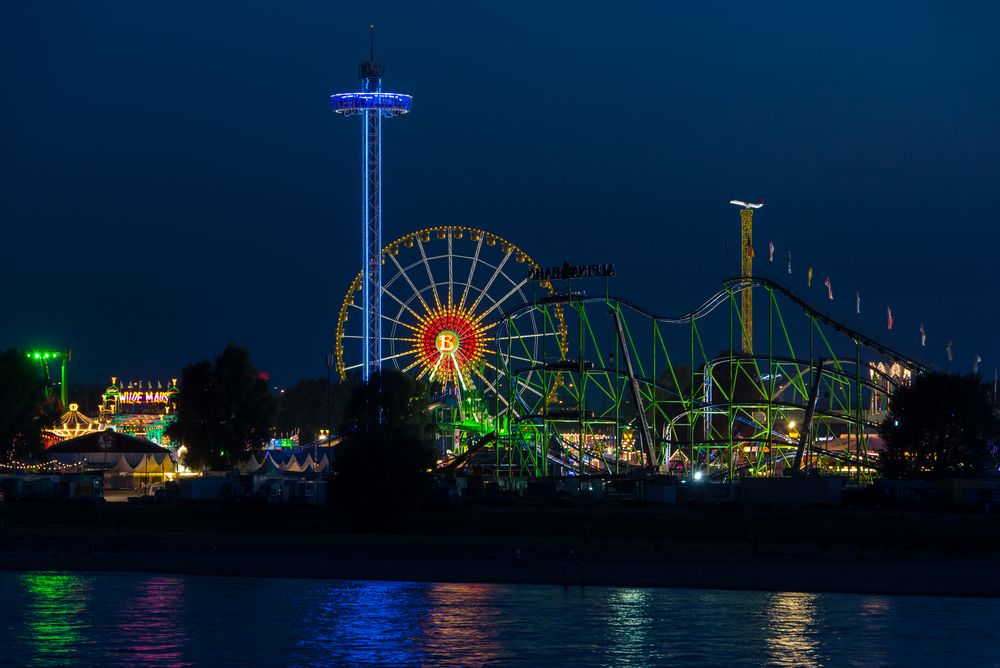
<point x="43" y="358"/>
<point x="373" y="104"/>
<point x="550" y="377"/>
<point x="537" y="374"/>
<point x="445" y="289"/>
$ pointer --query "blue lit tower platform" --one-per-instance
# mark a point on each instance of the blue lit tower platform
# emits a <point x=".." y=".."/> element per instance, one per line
<point x="373" y="104"/>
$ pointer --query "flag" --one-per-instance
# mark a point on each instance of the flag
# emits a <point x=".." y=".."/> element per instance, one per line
<point x="888" y="312"/>
<point x="857" y="301"/>
<point x="809" y="277"/>
<point x="923" y="336"/>
<point x="770" y="246"/>
<point x="975" y="367"/>
<point x="829" y="288"/>
<point x="750" y="253"/>
<point x="789" y="263"/>
<point x="947" y="349"/>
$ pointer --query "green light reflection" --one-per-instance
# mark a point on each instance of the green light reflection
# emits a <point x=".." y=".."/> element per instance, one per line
<point x="54" y="614"/>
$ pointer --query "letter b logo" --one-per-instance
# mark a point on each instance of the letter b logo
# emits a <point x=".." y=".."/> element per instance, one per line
<point x="446" y="343"/>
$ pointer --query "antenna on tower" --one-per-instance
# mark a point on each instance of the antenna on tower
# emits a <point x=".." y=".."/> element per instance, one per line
<point x="371" y="71"/>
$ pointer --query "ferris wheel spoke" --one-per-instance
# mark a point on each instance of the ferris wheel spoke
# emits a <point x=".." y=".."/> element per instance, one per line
<point x="486" y="383"/>
<point x="437" y="365"/>
<point x="398" y="321"/>
<point x="426" y="368"/>
<point x="532" y="336"/>
<point x="500" y="301"/>
<point x="524" y="346"/>
<point x="491" y="387"/>
<point x="472" y="271"/>
<point x="398" y="355"/>
<point x="531" y="388"/>
<point x="529" y="362"/>
<point x="430" y="274"/>
<point x="419" y="360"/>
<point x="384" y="338"/>
<point x="497" y="272"/>
<point x="488" y="387"/>
<point x="458" y="372"/>
<point x="451" y="271"/>
<point x="401" y="303"/>
<point x="409" y="281"/>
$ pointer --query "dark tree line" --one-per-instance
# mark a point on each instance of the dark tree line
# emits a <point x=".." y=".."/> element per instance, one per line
<point x="224" y="410"/>
<point x="311" y="407"/>
<point x="387" y="452"/>
<point x="941" y="425"/>
<point x="25" y="409"/>
<point x="385" y="460"/>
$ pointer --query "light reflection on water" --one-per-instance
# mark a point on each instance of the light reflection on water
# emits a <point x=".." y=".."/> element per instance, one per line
<point x="55" y="615"/>
<point x="790" y="635"/>
<point x="151" y="623"/>
<point x="464" y="615"/>
<point x="56" y="619"/>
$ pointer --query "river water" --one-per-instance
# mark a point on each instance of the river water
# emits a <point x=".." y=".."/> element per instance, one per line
<point x="59" y="619"/>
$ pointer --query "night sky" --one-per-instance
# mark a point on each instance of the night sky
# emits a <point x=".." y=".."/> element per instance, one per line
<point x="172" y="177"/>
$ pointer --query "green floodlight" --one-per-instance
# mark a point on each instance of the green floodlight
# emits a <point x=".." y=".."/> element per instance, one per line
<point x="42" y="357"/>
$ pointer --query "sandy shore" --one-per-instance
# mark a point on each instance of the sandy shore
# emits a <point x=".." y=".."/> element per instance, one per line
<point x="817" y="551"/>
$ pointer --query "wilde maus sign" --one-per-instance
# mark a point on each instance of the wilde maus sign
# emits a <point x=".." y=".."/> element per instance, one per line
<point x="568" y="272"/>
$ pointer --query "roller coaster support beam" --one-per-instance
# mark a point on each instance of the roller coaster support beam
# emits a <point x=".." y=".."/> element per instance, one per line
<point x="807" y="420"/>
<point x="640" y="408"/>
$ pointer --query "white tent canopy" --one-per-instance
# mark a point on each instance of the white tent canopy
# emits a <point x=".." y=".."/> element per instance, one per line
<point x="121" y="466"/>
<point x="250" y="465"/>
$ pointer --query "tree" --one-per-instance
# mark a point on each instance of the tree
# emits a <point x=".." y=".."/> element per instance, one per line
<point x="303" y="409"/>
<point x="941" y="425"/>
<point x="384" y="461"/>
<point x="24" y="409"/>
<point x="223" y="410"/>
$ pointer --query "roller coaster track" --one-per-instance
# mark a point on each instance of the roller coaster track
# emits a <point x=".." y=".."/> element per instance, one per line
<point x="730" y="287"/>
<point x="792" y="302"/>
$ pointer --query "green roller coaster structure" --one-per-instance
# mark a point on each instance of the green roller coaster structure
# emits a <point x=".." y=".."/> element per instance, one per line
<point x="632" y="390"/>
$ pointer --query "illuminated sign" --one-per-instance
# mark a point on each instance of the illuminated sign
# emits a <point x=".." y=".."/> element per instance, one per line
<point x="446" y="342"/>
<point x="568" y="272"/>
<point x="148" y="397"/>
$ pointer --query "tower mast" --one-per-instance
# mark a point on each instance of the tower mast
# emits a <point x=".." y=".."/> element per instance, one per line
<point x="746" y="269"/>
<point x="373" y="105"/>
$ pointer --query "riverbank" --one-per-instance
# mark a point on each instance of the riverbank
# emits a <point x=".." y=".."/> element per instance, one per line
<point x="830" y="550"/>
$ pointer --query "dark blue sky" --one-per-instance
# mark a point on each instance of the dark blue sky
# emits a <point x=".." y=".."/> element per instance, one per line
<point x="172" y="177"/>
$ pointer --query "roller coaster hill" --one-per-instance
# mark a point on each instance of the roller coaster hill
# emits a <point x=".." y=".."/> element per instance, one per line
<point x="548" y="373"/>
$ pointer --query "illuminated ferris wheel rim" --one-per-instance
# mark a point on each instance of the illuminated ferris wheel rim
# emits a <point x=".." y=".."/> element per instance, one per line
<point x="417" y="239"/>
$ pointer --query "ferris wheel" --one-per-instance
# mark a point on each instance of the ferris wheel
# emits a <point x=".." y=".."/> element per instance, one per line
<point x="443" y="291"/>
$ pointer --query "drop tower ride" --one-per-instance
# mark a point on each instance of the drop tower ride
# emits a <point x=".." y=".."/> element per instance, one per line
<point x="373" y="104"/>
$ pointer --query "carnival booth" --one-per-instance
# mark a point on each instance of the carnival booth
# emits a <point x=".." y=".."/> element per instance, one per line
<point x="126" y="461"/>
